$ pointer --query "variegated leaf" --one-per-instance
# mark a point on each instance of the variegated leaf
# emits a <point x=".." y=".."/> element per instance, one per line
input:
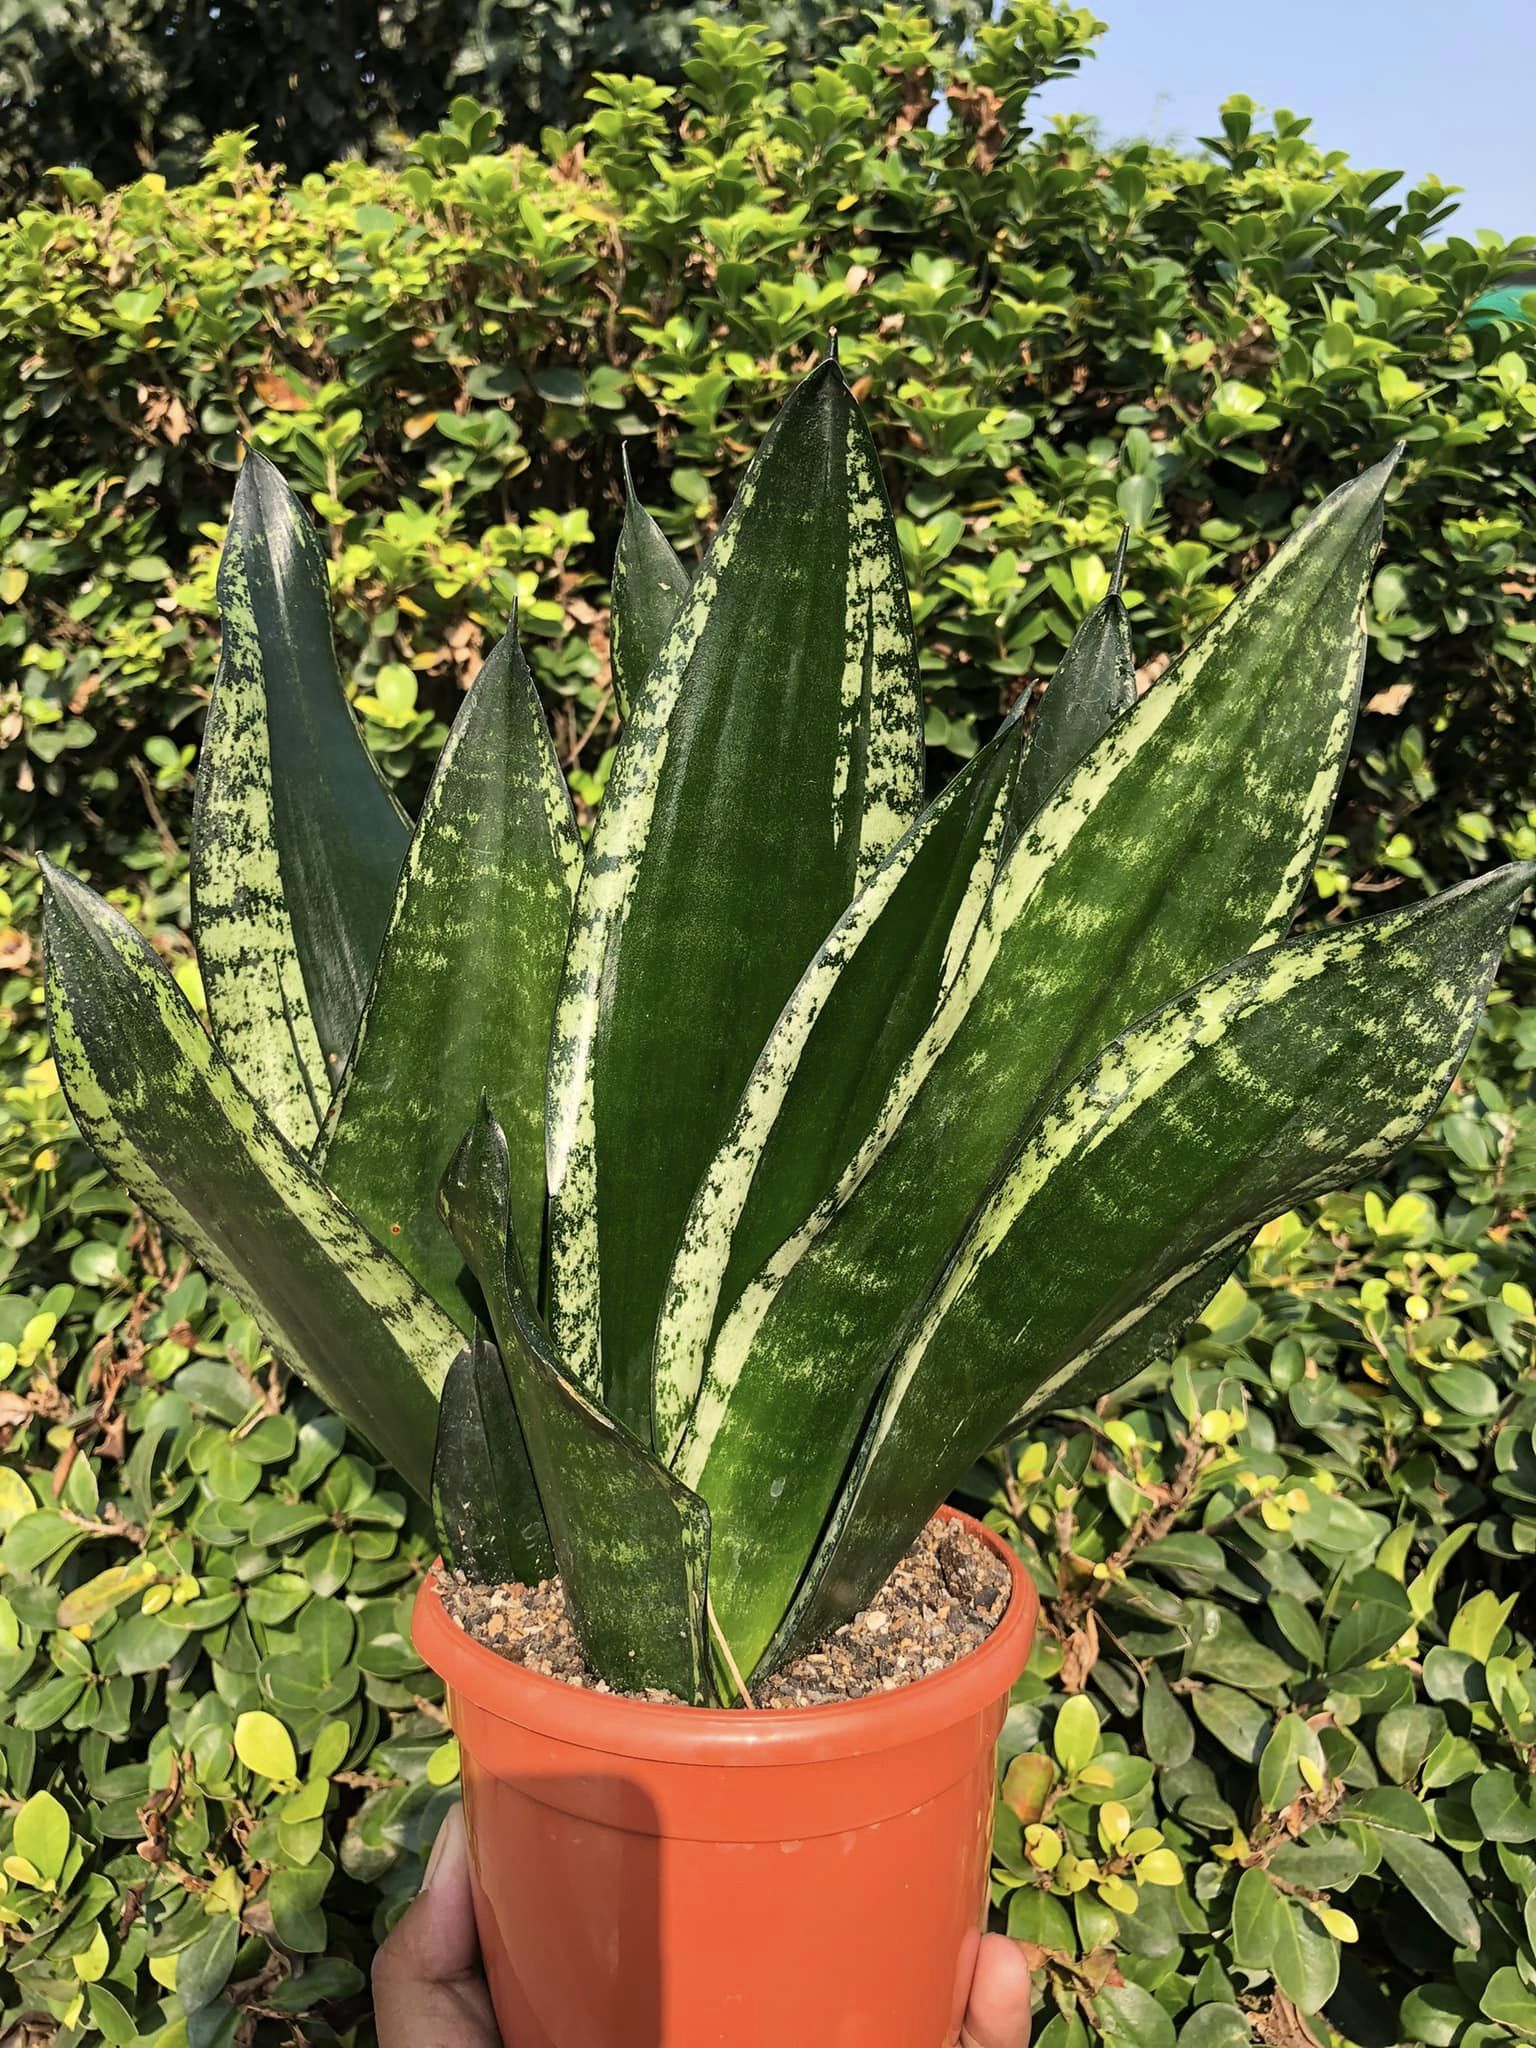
<point x="863" y="1003"/>
<point x="853" y="1017"/>
<point x="1178" y="842"/>
<point x="649" y="583"/>
<point x="296" y="841"/>
<point x="244" y="935"/>
<point x="1093" y="685"/>
<point x="771" y="763"/>
<point x="631" y="1543"/>
<point x="465" y="991"/>
<point x="485" y="1506"/>
<point x="166" y="1113"/>
<point x="1150" y="1332"/>
<point x="1290" y="1072"/>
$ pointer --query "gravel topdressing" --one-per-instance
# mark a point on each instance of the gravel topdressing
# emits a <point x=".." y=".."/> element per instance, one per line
<point x="942" y="1601"/>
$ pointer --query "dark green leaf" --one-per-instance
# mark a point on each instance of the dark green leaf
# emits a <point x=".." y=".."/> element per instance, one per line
<point x="1221" y="1110"/>
<point x="295" y="1897"/>
<point x="1392" y="1806"/>
<point x="1405" y="1737"/>
<point x="1034" y="1915"/>
<point x="1094" y="685"/>
<point x="649" y="583"/>
<point x="1504" y="1806"/>
<point x="1165" y="1727"/>
<point x="465" y="992"/>
<point x="772" y="762"/>
<point x="1280" y="1778"/>
<point x="164" y="1111"/>
<point x="1433" y="1880"/>
<point x="1216" y="2026"/>
<point x="297" y="842"/>
<point x="1178" y="884"/>
<point x="1238" y="1723"/>
<point x="203" y="1968"/>
<point x="1376" y="1612"/>
<point x="632" y="1544"/>
<point x="1275" y="1934"/>
<point x="485" y="1504"/>
<point x="854" y="1017"/>
<point x="1132" y="2018"/>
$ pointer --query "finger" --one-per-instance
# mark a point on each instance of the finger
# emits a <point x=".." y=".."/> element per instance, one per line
<point x="998" y="2014"/>
<point x="427" y="1987"/>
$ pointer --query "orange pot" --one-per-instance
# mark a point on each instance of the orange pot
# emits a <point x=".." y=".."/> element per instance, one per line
<point x="689" y="1877"/>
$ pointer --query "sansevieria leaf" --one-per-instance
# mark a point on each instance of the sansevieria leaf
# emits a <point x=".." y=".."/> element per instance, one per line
<point x="769" y="765"/>
<point x="167" y="1114"/>
<point x="484" y="1500"/>
<point x="245" y="944"/>
<point x="1180" y="841"/>
<point x="863" y="1003"/>
<point x="649" y="583"/>
<point x="1093" y="685"/>
<point x="1153" y="1330"/>
<point x="465" y="990"/>
<point x="632" y="1544"/>
<point x="852" y="1018"/>
<point x="297" y="843"/>
<point x="1287" y="1073"/>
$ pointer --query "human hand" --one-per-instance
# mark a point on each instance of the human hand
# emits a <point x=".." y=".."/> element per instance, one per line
<point x="428" y="1991"/>
<point x="427" y="1988"/>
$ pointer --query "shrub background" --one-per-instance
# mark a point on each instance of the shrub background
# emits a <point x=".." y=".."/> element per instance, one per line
<point x="1283" y="1570"/>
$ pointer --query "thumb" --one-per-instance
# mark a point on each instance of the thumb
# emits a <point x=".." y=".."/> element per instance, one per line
<point x="998" y="2013"/>
<point x="427" y="1987"/>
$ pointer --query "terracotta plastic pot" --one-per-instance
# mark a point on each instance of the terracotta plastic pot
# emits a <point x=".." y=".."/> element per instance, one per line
<point x="684" y="1877"/>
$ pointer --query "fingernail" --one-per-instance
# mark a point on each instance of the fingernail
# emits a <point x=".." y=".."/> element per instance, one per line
<point x="452" y="1826"/>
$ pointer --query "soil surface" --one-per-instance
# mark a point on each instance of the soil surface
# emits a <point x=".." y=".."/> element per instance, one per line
<point x="943" y="1599"/>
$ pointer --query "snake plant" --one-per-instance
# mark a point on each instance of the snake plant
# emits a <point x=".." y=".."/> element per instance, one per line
<point x="713" y="1194"/>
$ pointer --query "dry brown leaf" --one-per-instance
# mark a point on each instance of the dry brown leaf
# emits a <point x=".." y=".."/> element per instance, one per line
<point x="15" y="950"/>
<point x="1282" y="2026"/>
<point x="916" y="102"/>
<point x="1080" y="1654"/>
<point x="164" y="414"/>
<point x="978" y="109"/>
<point x="282" y="391"/>
<point x="1391" y="700"/>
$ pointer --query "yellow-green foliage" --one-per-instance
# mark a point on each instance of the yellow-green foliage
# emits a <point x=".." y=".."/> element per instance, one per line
<point x="1056" y="337"/>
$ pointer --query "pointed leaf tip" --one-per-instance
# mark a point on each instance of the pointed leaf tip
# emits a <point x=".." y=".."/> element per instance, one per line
<point x="72" y="903"/>
<point x="631" y="1543"/>
<point x="1117" y="573"/>
<point x="257" y="477"/>
<point x="165" y="1112"/>
<point x="832" y="345"/>
<point x="1503" y="886"/>
<point x="488" y="878"/>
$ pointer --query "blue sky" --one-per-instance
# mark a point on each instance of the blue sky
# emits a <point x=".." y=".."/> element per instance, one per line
<point x="1400" y="84"/>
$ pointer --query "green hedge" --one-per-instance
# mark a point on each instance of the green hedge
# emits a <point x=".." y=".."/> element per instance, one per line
<point x="1283" y="1575"/>
<point x="1054" y="337"/>
<point x="122" y="86"/>
<point x="1283" y="1571"/>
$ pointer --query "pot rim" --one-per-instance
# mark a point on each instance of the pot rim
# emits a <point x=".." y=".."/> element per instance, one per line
<point x="729" y="1735"/>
